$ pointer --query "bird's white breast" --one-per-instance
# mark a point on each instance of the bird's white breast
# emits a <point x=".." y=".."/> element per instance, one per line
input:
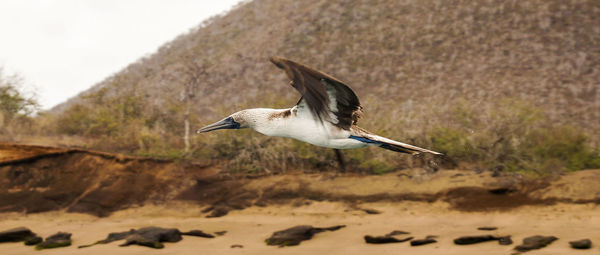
<point x="306" y="128"/>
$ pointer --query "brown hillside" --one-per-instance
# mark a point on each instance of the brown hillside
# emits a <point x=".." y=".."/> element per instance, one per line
<point x="544" y="51"/>
<point x="415" y="65"/>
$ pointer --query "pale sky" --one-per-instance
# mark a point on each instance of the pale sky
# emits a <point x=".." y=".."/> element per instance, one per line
<point x="63" y="47"/>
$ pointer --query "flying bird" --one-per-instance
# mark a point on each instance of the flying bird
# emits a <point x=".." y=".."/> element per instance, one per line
<point x="326" y="115"/>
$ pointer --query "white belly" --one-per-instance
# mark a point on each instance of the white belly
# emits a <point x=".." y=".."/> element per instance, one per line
<point x="313" y="132"/>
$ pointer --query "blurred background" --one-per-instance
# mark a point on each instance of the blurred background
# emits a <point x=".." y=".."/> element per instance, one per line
<point x="495" y="85"/>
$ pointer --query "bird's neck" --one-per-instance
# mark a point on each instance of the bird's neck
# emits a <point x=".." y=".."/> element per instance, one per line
<point x="266" y="120"/>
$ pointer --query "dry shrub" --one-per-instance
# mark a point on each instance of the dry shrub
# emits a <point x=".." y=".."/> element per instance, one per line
<point x="458" y="76"/>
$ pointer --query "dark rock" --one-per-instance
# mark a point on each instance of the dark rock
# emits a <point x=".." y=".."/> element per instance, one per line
<point x="148" y="236"/>
<point x="535" y="242"/>
<point x="87" y="245"/>
<point x="465" y="240"/>
<point x="33" y="240"/>
<point x="153" y="237"/>
<point x="15" y="235"/>
<point x="388" y="238"/>
<point x="581" y="244"/>
<point x="220" y="233"/>
<point x="397" y="232"/>
<point x="237" y="246"/>
<point x="219" y="211"/>
<point x="385" y="239"/>
<point x="198" y="233"/>
<point x="487" y="228"/>
<point x="295" y="235"/>
<point x="115" y="236"/>
<point x="505" y="240"/>
<point x="419" y="242"/>
<point x="143" y="241"/>
<point x="162" y="234"/>
<point x="60" y="239"/>
<point x="371" y="211"/>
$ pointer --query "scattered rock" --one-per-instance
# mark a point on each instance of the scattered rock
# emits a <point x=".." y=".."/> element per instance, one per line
<point x="371" y="211"/>
<point x="143" y="241"/>
<point x="385" y="239"/>
<point x="237" y="246"/>
<point x="465" y="240"/>
<point x="153" y="237"/>
<point x="505" y="240"/>
<point x="220" y="233"/>
<point x="198" y="233"/>
<point x="388" y="238"/>
<point x="33" y="240"/>
<point x="149" y="236"/>
<point x="295" y="235"/>
<point x="219" y="211"/>
<point x="487" y="228"/>
<point x="581" y="244"/>
<point x="397" y="232"/>
<point x="60" y="239"/>
<point x="15" y="235"/>
<point x="419" y="242"/>
<point x="115" y="236"/>
<point x="535" y="242"/>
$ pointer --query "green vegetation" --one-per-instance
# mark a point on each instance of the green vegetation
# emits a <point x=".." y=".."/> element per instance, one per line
<point x="564" y="147"/>
<point x="515" y="137"/>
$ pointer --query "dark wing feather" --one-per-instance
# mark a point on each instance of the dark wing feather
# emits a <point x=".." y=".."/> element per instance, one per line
<point x="317" y="87"/>
<point x="386" y="143"/>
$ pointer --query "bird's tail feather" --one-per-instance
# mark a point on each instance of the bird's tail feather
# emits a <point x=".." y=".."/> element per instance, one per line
<point x="390" y="144"/>
<point x="397" y="148"/>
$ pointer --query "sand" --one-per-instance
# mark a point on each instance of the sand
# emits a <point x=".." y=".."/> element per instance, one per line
<point x="251" y="226"/>
<point x="448" y="204"/>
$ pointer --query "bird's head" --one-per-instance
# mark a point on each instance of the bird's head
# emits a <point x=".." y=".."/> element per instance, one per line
<point x="233" y="121"/>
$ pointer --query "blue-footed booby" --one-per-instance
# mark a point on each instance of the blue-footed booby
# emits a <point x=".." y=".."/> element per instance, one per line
<point x="326" y="114"/>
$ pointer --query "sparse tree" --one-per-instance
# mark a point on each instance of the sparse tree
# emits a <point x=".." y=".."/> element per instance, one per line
<point x="14" y="103"/>
<point x="189" y="72"/>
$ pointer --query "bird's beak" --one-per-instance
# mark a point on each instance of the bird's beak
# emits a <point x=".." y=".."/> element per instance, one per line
<point x="226" y="123"/>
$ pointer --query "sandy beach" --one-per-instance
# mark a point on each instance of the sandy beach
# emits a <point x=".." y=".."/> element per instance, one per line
<point x="118" y="193"/>
<point x="250" y="227"/>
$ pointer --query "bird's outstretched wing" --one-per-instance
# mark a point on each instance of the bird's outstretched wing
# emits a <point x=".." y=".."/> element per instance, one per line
<point x="327" y="98"/>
